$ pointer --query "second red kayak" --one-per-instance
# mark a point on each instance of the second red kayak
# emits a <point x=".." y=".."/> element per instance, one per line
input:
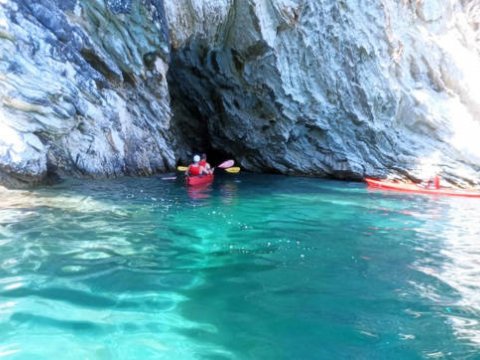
<point x="413" y="188"/>
<point x="199" y="180"/>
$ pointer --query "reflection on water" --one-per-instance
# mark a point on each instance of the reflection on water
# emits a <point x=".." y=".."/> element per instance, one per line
<point x="456" y="246"/>
<point x="261" y="267"/>
<point x="228" y="191"/>
<point x="199" y="192"/>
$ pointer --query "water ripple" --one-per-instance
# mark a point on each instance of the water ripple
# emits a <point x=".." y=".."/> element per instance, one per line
<point x="251" y="267"/>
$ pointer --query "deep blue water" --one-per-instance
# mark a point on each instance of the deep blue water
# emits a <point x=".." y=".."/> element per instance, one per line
<point x="253" y="267"/>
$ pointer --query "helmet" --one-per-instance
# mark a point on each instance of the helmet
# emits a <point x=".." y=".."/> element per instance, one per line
<point x="196" y="158"/>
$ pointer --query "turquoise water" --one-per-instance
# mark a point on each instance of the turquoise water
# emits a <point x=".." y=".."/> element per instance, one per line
<point x="253" y="267"/>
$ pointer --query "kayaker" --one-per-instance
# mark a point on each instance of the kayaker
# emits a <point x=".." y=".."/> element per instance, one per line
<point x="203" y="163"/>
<point x="433" y="183"/>
<point x="196" y="169"/>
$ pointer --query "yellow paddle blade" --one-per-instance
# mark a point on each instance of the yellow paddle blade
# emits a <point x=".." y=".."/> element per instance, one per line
<point x="233" y="170"/>
<point x="182" y="168"/>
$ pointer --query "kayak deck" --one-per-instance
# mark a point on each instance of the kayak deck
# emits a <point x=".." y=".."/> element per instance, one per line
<point x="412" y="188"/>
<point x="199" y="180"/>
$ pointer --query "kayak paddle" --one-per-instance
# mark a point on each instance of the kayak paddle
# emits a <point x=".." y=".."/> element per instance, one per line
<point x="233" y="170"/>
<point x="226" y="164"/>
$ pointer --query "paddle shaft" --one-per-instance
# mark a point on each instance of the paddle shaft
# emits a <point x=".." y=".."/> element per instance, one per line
<point x="224" y="165"/>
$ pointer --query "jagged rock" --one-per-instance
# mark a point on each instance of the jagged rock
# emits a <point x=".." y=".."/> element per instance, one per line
<point x="312" y="87"/>
<point x="83" y="89"/>
<point x="342" y="89"/>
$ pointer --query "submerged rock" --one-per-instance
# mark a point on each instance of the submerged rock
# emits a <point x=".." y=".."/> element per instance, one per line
<point x="83" y="89"/>
<point x="342" y="89"/>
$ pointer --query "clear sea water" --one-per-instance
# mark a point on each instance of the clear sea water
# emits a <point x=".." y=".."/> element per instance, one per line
<point x="253" y="267"/>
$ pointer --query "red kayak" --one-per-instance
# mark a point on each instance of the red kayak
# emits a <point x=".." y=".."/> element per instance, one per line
<point x="412" y="188"/>
<point x="199" y="180"/>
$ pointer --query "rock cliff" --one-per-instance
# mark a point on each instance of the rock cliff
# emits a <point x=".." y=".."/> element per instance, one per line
<point x="342" y="89"/>
<point x="83" y="89"/>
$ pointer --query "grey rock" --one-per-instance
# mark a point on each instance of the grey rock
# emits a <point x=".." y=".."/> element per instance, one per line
<point x="83" y="90"/>
<point x="340" y="89"/>
<point x="104" y="88"/>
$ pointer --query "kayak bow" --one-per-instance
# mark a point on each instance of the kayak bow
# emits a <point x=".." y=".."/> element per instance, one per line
<point x="413" y="188"/>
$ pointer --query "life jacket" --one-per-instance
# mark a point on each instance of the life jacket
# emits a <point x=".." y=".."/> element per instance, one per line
<point x="194" y="170"/>
<point x="203" y="163"/>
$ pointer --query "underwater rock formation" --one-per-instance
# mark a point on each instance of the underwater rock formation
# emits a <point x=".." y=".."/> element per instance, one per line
<point x="83" y="89"/>
<point x="342" y="89"/>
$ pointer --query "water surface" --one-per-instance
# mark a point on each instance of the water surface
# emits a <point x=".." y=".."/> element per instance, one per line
<point x="253" y="267"/>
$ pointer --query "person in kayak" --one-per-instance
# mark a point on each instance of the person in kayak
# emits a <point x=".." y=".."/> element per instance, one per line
<point x="205" y="164"/>
<point x="196" y="169"/>
<point x="433" y="183"/>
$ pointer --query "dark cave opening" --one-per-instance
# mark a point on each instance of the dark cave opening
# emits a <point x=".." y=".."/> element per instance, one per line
<point x="189" y="95"/>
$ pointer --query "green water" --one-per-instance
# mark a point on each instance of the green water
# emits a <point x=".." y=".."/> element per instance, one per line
<point x="254" y="267"/>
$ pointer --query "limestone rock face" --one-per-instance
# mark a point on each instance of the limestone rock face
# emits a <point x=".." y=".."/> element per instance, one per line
<point x="334" y="88"/>
<point x="83" y="89"/>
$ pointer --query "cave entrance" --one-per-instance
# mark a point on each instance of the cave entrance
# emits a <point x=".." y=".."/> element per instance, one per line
<point x="191" y="98"/>
<point x="216" y="157"/>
